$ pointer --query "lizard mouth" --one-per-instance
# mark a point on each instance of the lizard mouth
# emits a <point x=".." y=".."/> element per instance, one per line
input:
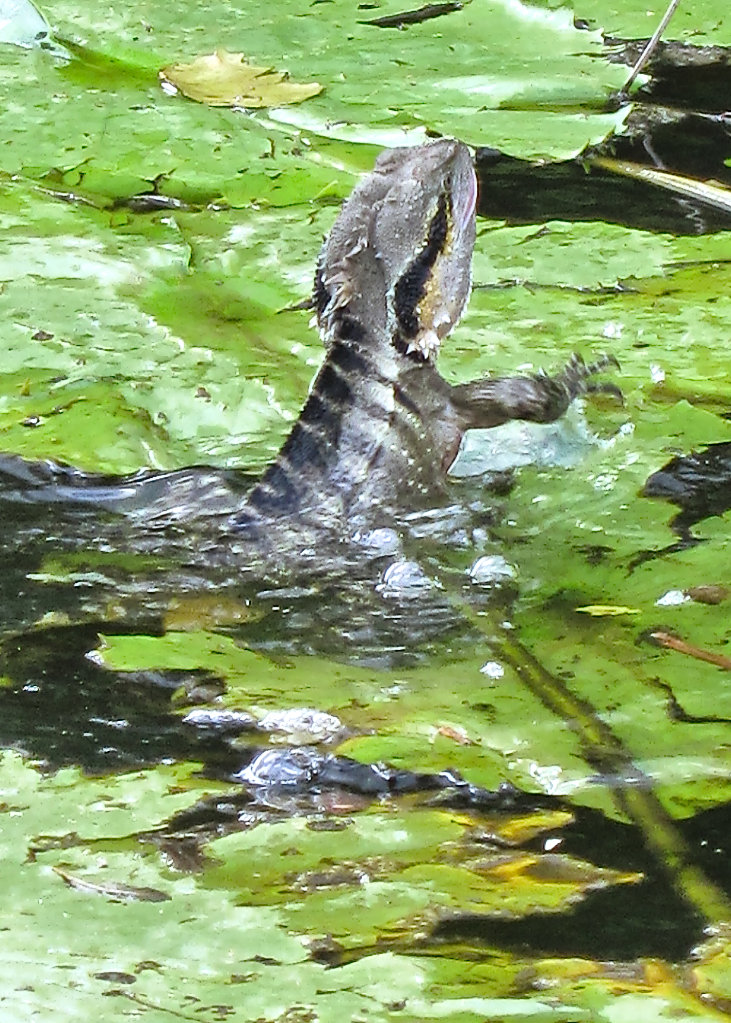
<point x="467" y="202"/>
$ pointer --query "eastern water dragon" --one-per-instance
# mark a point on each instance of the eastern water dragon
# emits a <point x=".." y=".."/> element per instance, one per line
<point x="381" y="426"/>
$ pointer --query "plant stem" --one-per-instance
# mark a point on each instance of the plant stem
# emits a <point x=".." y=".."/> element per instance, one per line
<point x="650" y="47"/>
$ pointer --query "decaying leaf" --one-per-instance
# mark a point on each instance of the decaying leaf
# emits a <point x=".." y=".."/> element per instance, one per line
<point x="224" y="79"/>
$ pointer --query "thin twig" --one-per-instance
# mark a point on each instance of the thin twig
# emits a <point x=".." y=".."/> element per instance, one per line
<point x="666" y="639"/>
<point x="651" y="46"/>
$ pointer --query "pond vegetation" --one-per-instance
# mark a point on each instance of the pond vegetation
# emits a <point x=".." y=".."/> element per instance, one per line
<point x="492" y="785"/>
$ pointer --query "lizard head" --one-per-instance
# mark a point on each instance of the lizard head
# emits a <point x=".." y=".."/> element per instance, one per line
<point x="399" y="256"/>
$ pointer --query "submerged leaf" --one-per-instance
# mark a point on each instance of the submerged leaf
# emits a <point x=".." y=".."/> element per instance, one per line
<point x="224" y="79"/>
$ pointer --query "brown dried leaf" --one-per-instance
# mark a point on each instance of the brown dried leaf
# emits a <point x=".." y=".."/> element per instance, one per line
<point x="224" y="79"/>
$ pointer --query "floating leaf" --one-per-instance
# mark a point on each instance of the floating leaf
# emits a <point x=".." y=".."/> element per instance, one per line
<point x="224" y="79"/>
<point x="607" y="610"/>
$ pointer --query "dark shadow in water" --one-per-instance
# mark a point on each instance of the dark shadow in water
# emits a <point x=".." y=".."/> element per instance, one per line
<point x="700" y="484"/>
<point x="682" y="76"/>
<point x="61" y="709"/>
<point x="621" y="923"/>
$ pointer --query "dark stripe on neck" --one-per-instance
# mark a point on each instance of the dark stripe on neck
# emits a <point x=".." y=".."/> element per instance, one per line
<point x="348" y="360"/>
<point x="410" y="287"/>
<point x="276" y="492"/>
<point x="320" y="295"/>
<point x="313" y="443"/>
<point x="347" y="328"/>
<point x="406" y="403"/>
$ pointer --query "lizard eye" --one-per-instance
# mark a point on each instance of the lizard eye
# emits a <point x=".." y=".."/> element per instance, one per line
<point x="412" y="284"/>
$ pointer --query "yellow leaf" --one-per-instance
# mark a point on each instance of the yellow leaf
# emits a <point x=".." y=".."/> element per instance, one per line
<point x="224" y="79"/>
<point x="607" y="610"/>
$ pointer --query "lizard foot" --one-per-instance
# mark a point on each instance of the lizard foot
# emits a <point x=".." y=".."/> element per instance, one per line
<point x="577" y="377"/>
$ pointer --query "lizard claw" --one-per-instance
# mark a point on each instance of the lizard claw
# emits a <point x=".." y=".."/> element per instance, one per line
<point x="577" y="375"/>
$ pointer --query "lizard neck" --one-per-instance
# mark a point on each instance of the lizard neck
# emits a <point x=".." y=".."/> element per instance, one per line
<point x="336" y="441"/>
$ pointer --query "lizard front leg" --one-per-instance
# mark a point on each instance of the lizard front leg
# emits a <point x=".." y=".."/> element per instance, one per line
<point x="488" y="402"/>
